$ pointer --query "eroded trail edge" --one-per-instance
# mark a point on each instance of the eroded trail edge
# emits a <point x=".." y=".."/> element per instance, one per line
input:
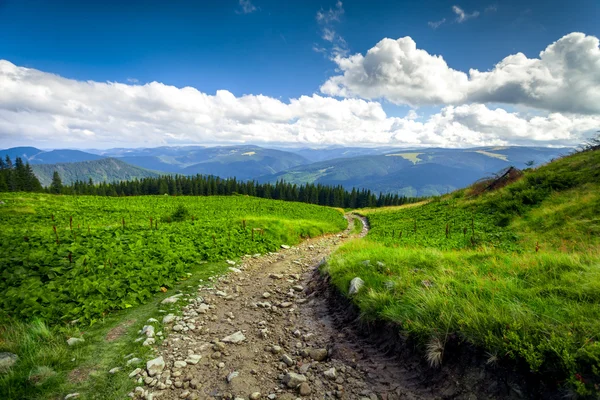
<point x="264" y="331"/>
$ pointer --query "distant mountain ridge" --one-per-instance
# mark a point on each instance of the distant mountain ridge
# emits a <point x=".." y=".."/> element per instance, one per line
<point x="409" y="172"/>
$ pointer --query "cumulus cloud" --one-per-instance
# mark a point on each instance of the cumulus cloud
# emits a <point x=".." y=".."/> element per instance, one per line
<point x="246" y="7"/>
<point x="461" y="16"/>
<point x="565" y="77"/>
<point x="46" y="109"/>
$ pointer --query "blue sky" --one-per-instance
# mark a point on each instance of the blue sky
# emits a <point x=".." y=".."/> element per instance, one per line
<point x="206" y="44"/>
<point x="270" y="48"/>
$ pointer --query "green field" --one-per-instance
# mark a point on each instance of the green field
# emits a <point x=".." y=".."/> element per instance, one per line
<point x="108" y="255"/>
<point x="106" y="264"/>
<point x="514" y="271"/>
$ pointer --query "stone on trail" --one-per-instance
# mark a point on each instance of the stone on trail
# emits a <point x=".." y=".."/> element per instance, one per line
<point x="155" y="366"/>
<point x="235" y="270"/>
<point x="285" y="246"/>
<point x="114" y="370"/>
<point x="179" y="364"/>
<point x="318" y="354"/>
<point x="135" y="372"/>
<point x="330" y="373"/>
<point x="255" y="396"/>
<point x="148" y="330"/>
<point x="193" y="359"/>
<point x="178" y="328"/>
<point x="287" y="360"/>
<point x="234" y="338"/>
<point x="304" y="389"/>
<point x="292" y="380"/>
<point x="355" y="285"/>
<point x="232" y="376"/>
<point x="73" y="341"/>
<point x="232" y="263"/>
<point x="7" y="360"/>
<point x="149" y="342"/>
<point x="167" y="319"/>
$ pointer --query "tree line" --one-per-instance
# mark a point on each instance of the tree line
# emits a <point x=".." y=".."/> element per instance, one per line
<point x="18" y="177"/>
<point x="199" y="185"/>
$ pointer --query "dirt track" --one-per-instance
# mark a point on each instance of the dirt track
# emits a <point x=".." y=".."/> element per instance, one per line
<point x="282" y="312"/>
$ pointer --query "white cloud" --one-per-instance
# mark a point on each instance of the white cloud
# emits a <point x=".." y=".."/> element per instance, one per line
<point x="326" y="20"/>
<point x="565" y="77"/>
<point x="461" y="16"/>
<point x="51" y="111"/>
<point x="246" y="7"/>
<point x="333" y="14"/>
<point x="436" y="24"/>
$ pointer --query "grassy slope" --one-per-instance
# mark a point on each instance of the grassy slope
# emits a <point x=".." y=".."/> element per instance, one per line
<point x="104" y="170"/>
<point x="485" y="281"/>
<point x="142" y="260"/>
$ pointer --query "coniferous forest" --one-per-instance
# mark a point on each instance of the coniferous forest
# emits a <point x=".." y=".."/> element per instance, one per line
<point x="19" y="177"/>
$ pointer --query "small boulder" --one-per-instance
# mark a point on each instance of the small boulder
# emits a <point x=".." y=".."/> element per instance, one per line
<point x="7" y="360"/>
<point x="155" y="366"/>
<point x="331" y="373"/>
<point x="318" y="354"/>
<point x="292" y="380"/>
<point x="355" y="285"/>
<point x="304" y="389"/>
<point x="74" y="341"/>
<point x="234" y="338"/>
<point x="285" y="246"/>
<point x="71" y="396"/>
<point x="167" y="319"/>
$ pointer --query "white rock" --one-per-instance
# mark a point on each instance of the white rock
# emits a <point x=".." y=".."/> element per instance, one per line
<point x="114" y="370"/>
<point x="7" y="360"/>
<point x="73" y="341"/>
<point x="235" y="270"/>
<point x="203" y="308"/>
<point x="285" y="246"/>
<point x="179" y="364"/>
<point x="230" y="262"/>
<point x="178" y="328"/>
<point x="149" y="341"/>
<point x="71" y="396"/>
<point x="330" y="373"/>
<point x="148" y="330"/>
<point x="355" y="285"/>
<point x="232" y="375"/>
<point x="152" y="320"/>
<point x="135" y="372"/>
<point x="167" y="319"/>
<point x="134" y="360"/>
<point x="193" y="359"/>
<point x="155" y="366"/>
<point x="234" y="338"/>
<point x="172" y="299"/>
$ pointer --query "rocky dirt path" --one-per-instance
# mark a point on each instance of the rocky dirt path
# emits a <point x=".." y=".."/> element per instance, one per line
<point x="265" y="331"/>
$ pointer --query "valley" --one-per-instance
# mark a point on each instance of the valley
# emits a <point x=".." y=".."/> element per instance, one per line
<point x="405" y="172"/>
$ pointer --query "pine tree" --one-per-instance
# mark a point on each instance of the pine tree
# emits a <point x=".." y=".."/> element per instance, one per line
<point x="56" y="186"/>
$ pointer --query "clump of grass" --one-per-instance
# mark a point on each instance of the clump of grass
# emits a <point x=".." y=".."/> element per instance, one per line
<point x="435" y="352"/>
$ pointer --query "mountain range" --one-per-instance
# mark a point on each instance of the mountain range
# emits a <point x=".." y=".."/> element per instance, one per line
<point x="410" y="172"/>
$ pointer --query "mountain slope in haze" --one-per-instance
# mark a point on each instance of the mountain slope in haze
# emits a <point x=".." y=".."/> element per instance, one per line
<point x="103" y="170"/>
<point x="243" y="162"/>
<point x="25" y="153"/>
<point x="330" y="153"/>
<point x="36" y="156"/>
<point x="416" y="172"/>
